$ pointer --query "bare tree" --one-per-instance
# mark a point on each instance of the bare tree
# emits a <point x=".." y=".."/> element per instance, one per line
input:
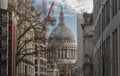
<point x="25" y="19"/>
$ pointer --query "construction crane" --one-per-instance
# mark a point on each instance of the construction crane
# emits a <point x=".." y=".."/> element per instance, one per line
<point x="49" y="19"/>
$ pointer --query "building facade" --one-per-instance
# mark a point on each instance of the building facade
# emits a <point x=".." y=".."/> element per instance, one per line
<point x="85" y="32"/>
<point x="106" y="14"/>
<point x="14" y="21"/>
<point x="88" y="33"/>
<point x="4" y="41"/>
<point x="7" y="41"/>
<point x="63" y="51"/>
<point x="80" y="60"/>
<point x="23" y="13"/>
<point x="40" y="49"/>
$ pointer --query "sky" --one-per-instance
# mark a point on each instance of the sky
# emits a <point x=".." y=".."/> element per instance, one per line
<point x="70" y="8"/>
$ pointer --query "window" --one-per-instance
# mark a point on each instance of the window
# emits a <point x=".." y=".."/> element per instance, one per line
<point x="41" y="74"/>
<point x="103" y="18"/>
<point x="0" y="43"/>
<point x="36" y="69"/>
<point x="62" y="70"/>
<point x="98" y="28"/>
<point x="65" y="53"/>
<point x="36" y="61"/>
<point x="56" y="73"/>
<point x="36" y="74"/>
<point x="45" y="63"/>
<point x="58" y="53"/>
<point x="35" y="50"/>
<point x="4" y="16"/>
<point x="62" y="53"/>
<point x="41" y="69"/>
<point x="72" y="54"/>
<point x="50" y="55"/>
<point x="25" y="70"/>
<point x="107" y="59"/>
<point x="0" y="62"/>
<point x="107" y="12"/>
<point x="41" y="62"/>
<point x="0" y="30"/>
<point x="108" y="56"/>
<point x="115" y="54"/>
<point x="119" y="4"/>
<point x="45" y="70"/>
<point x="114" y="7"/>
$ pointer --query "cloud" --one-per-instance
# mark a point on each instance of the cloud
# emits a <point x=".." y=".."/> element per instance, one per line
<point x="71" y="6"/>
<point x="77" y="6"/>
<point x="65" y="15"/>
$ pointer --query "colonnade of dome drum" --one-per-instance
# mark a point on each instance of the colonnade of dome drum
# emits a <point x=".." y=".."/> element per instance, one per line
<point x="66" y="51"/>
<point x="62" y="36"/>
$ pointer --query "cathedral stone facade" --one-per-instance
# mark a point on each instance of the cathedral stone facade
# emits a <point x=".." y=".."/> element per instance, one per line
<point x="64" y="52"/>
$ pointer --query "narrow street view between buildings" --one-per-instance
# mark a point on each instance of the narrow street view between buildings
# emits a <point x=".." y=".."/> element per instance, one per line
<point x="59" y="37"/>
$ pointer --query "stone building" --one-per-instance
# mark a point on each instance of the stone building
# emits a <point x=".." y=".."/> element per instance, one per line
<point x="22" y="18"/>
<point x="40" y="49"/>
<point x="17" y="21"/>
<point x="85" y="45"/>
<point x="106" y="14"/>
<point x="7" y="41"/>
<point x="88" y="31"/>
<point x="62" y="53"/>
<point x="80" y="56"/>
